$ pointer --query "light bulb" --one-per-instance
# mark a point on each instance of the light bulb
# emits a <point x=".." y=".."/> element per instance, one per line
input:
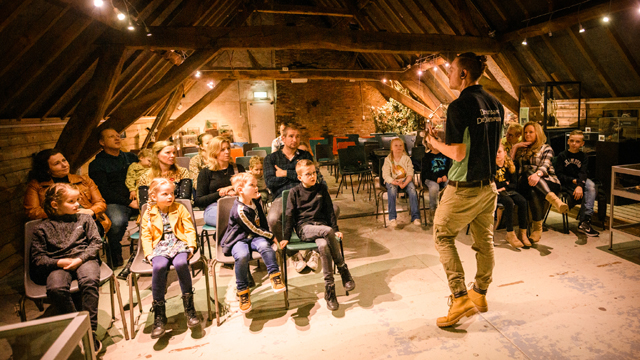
<point x="98" y="3"/>
<point x="121" y="16"/>
<point x="446" y="64"/>
<point x="435" y="68"/>
<point x="582" y="29"/>
<point x="210" y="84"/>
<point x="524" y="42"/>
<point x="605" y="19"/>
<point x="130" y="27"/>
<point x="419" y="72"/>
<point x="198" y="74"/>
<point x="384" y="80"/>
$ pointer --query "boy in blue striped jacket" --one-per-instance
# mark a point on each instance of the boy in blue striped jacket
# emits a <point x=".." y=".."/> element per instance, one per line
<point x="248" y="231"/>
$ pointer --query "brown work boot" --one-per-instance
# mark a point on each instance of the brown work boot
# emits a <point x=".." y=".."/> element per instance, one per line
<point x="522" y="236"/>
<point x="276" y="282"/>
<point x="536" y="231"/>
<point x="245" y="301"/>
<point x="458" y="308"/>
<point x="513" y="239"/>
<point x="554" y="200"/>
<point x="479" y="300"/>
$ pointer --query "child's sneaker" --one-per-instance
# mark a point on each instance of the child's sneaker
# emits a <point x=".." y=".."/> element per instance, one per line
<point x="417" y="222"/>
<point x="276" y="282"/>
<point x="313" y="261"/>
<point x="245" y="301"/>
<point x="585" y="227"/>
<point x="393" y="223"/>
<point x="298" y="261"/>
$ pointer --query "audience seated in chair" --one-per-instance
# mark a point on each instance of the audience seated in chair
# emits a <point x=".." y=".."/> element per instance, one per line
<point x="506" y="182"/>
<point x="64" y="248"/>
<point x="397" y="173"/>
<point x="109" y="171"/>
<point x="310" y="212"/>
<point x="256" y="168"/>
<point x="435" y="167"/>
<point x="137" y="169"/>
<point x="572" y="165"/>
<point x="198" y="162"/>
<point x="512" y="136"/>
<point x="247" y="231"/>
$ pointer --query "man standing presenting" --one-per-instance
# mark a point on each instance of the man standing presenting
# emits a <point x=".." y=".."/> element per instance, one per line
<point x="474" y="123"/>
<point x="109" y="172"/>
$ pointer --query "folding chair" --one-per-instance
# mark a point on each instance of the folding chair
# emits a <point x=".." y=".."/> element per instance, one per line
<point x="249" y="146"/>
<point x="38" y="293"/>
<point x="296" y="244"/>
<point x="324" y="156"/>
<point x="183" y="161"/>
<point x="352" y="162"/>
<point x="383" y="190"/>
<point x="141" y="268"/>
<point x="244" y="161"/>
<point x="224" y="209"/>
<point x="266" y="149"/>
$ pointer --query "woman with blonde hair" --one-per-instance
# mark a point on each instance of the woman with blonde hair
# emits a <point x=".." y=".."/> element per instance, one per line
<point x="397" y="173"/>
<point x="537" y="179"/>
<point x="163" y="165"/>
<point x="214" y="181"/>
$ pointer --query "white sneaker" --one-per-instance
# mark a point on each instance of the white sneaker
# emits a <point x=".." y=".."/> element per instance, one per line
<point x="417" y="222"/>
<point x="393" y="223"/>
<point x="298" y="262"/>
<point x="313" y="261"/>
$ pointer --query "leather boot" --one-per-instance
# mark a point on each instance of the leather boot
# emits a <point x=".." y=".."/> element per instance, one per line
<point x="458" y="308"/>
<point x="330" y="297"/>
<point x="522" y="236"/>
<point x="479" y="300"/>
<point x="190" y="310"/>
<point x="554" y="200"/>
<point x="159" y="320"/>
<point x="347" y="281"/>
<point x="513" y="239"/>
<point x="536" y="231"/>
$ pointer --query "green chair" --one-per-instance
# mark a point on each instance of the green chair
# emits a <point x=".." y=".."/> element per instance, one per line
<point x="265" y="148"/>
<point x="295" y="244"/>
<point x="244" y="161"/>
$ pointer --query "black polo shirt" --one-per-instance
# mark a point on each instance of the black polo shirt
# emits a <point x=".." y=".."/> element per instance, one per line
<point x="474" y="119"/>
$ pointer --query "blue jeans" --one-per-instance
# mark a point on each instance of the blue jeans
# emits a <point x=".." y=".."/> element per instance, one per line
<point x="211" y="214"/>
<point x="392" y="194"/>
<point x="241" y="252"/>
<point x="588" y="199"/>
<point x="161" y="267"/>
<point x="434" y="191"/>
<point x="119" y="216"/>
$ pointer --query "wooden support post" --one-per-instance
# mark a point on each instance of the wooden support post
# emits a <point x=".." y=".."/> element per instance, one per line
<point x="94" y="103"/>
<point x="195" y="109"/>
<point x="129" y="112"/>
<point x="161" y="120"/>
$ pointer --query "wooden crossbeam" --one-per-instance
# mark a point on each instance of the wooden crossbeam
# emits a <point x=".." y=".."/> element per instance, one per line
<point x="302" y="10"/>
<point x="194" y="109"/>
<point x="163" y="117"/>
<point x="130" y="111"/>
<point x="94" y="103"/>
<point x="593" y="62"/>
<point x="563" y="22"/>
<point x="312" y="74"/>
<point x="297" y="38"/>
<point x="389" y="92"/>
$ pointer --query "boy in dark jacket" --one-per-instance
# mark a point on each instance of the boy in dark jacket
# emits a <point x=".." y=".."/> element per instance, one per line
<point x="572" y="171"/>
<point x="248" y="231"/>
<point x="435" y="167"/>
<point x="310" y="210"/>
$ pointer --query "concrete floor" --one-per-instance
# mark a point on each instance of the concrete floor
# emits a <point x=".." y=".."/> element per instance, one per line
<point x="567" y="298"/>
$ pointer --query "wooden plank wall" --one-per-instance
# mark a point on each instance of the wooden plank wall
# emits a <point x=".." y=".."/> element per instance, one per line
<point x="19" y="140"/>
<point x="593" y="109"/>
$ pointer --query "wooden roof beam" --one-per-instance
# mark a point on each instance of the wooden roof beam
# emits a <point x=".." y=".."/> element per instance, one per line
<point x="163" y="117"/>
<point x="302" y="10"/>
<point x="282" y="37"/>
<point x="311" y="74"/>
<point x="389" y="92"/>
<point x="104" y="14"/>
<point x="563" y="22"/>
<point x="626" y="55"/>
<point x="593" y="62"/>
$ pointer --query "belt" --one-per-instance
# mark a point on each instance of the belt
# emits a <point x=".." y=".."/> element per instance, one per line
<point x="469" y="184"/>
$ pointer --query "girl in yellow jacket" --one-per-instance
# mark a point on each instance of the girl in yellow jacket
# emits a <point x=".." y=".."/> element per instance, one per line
<point x="168" y="238"/>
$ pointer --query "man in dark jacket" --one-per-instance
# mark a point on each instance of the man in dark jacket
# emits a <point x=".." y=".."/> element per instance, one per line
<point x="109" y="172"/>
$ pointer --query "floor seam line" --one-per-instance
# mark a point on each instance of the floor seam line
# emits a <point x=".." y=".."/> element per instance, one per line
<point x="505" y="336"/>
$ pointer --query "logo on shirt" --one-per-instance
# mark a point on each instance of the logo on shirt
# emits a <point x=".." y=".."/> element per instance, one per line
<point x="573" y="161"/>
<point x="437" y="165"/>
<point x="488" y="116"/>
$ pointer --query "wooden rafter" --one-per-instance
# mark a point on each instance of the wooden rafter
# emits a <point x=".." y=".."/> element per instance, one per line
<point x="194" y="109"/>
<point x="93" y="105"/>
<point x="561" y="60"/>
<point x="9" y="10"/>
<point x="129" y="112"/>
<point x="312" y="74"/>
<point x="163" y="116"/>
<point x="389" y="92"/>
<point x="430" y="24"/>
<point x="578" y="40"/>
<point x="626" y="55"/>
<point x="302" y="10"/>
<point x="104" y="14"/>
<point x="254" y="62"/>
<point x="297" y="38"/>
<point x="564" y="22"/>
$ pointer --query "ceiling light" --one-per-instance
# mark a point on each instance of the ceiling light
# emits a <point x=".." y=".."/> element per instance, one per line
<point x="260" y="95"/>
<point x="582" y="29"/>
<point x="98" y="3"/>
<point x="419" y="72"/>
<point x="384" y="80"/>
<point x="435" y="68"/>
<point x="130" y="27"/>
<point x="198" y="74"/>
<point x="524" y="42"/>
<point x="210" y="84"/>
<point x="605" y="18"/>
<point x="446" y="64"/>
<point x="146" y="29"/>
<point x="120" y="16"/>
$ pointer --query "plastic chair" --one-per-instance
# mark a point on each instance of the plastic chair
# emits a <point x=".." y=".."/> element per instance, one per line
<point x="254" y="152"/>
<point x="38" y="293"/>
<point x="295" y="244"/>
<point x="235" y="152"/>
<point x="336" y="140"/>
<point x="224" y="209"/>
<point x="267" y="149"/>
<point x="141" y="268"/>
<point x="353" y="137"/>
<point x="345" y="144"/>
<point x="249" y="146"/>
<point x="244" y="161"/>
<point x="352" y="162"/>
<point x="385" y="141"/>
<point x="183" y="161"/>
<point x="383" y="190"/>
<point x="409" y="142"/>
<point x="325" y="157"/>
<point x="315" y="141"/>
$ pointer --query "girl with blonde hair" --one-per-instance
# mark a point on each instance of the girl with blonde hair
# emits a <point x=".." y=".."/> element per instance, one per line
<point x="506" y="182"/>
<point x="537" y="179"/>
<point x="397" y="173"/>
<point x="214" y="181"/>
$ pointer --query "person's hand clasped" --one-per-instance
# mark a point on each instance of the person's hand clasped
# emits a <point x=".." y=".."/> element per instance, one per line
<point x="280" y="172"/>
<point x="74" y="264"/>
<point x="134" y="204"/>
<point x="63" y="263"/>
<point x="578" y="193"/>
<point x="533" y="180"/>
<point x="283" y="244"/>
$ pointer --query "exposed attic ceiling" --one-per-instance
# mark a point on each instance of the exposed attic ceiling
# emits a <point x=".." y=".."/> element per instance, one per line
<point x="51" y="49"/>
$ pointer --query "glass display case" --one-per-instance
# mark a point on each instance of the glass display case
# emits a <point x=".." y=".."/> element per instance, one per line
<point x="540" y="103"/>
<point x="617" y="129"/>
<point x="625" y="183"/>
